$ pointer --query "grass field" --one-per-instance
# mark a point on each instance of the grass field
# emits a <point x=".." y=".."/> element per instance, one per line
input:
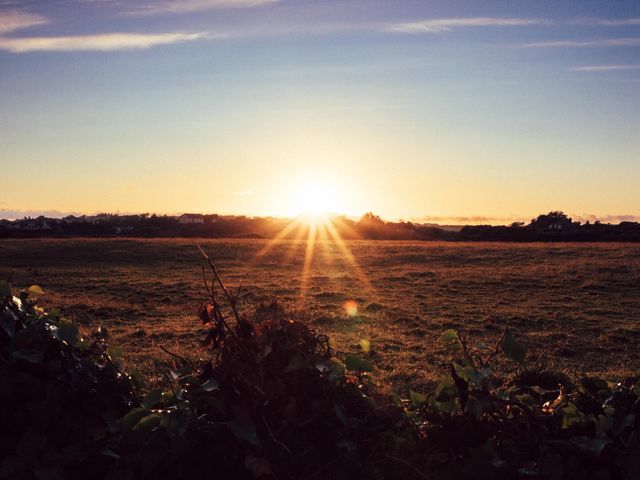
<point x="576" y="306"/>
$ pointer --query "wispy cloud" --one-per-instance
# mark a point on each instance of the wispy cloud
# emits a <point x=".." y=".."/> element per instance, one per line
<point x="446" y="24"/>
<point x="606" y="218"/>
<point x="247" y="192"/>
<point x="605" y="68"/>
<point x="104" y="42"/>
<point x="606" y="22"/>
<point x="12" y="214"/>
<point x="467" y="220"/>
<point x="189" y="6"/>
<point x="602" y="42"/>
<point x="15" y="20"/>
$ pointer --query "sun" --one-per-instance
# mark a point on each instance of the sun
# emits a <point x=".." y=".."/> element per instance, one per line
<point x="315" y="200"/>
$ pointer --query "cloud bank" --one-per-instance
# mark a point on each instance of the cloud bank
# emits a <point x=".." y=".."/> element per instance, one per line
<point x="448" y="24"/>
<point x="602" y="42"/>
<point x="189" y="6"/>
<point x="605" y="22"/>
<point x="605" y="68"/>
<point x="104" y="42"/>
<point x="15" y="20"/>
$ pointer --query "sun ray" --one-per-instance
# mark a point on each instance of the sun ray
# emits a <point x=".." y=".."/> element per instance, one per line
<point x="295" y="242"/>
<point x="278" y="238"/>
<point x="323" y="241"/>
<point x="342" y="226"/>
<point x="360" y="274"/>
<point x="308" y="259"/>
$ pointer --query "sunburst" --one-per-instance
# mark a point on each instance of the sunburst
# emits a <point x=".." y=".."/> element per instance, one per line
<point x="314" y="203"/>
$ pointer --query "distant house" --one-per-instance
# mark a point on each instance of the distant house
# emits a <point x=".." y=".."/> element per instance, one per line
<point x="563" y="224"/>
<point x="74" y="219"/>
<point x="191" y="219"/>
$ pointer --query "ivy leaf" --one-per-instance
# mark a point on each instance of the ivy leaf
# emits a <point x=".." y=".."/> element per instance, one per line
<point x="132" y="418"/>
<point x="592" y="444"/>
<point x="365" y="345"/>
<point x="243" y="429"/>
<point x="336" y="369"/>
<point x="115" y="353"/>
<point x="5" y="289"/>
<point x="449" y="339"/>
<point x="210" y="385"/>
<point x="417" y="398"/>
<point x="152" y="398"/>
<point x="149" y="422"/>
<point x="513" y="349"/>
<point x="258" y="466"/>
<point x="31" y="356"/>
<point x="356" y="363"/>
<point x="8" y="323"/>
<point x="35" y="290"/>
<point x="68" y="332"/>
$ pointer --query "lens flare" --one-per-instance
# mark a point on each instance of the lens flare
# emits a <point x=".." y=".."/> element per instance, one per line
<point x="351" y="307"/>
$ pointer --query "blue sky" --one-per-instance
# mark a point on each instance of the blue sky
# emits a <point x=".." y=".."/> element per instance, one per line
<point x="492" y="110"/>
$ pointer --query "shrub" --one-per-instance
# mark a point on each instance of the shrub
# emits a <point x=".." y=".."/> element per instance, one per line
<point x="59" y="394"/>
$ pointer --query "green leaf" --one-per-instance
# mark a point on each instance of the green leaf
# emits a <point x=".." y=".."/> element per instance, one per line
<point x="83" y="344"/>
<point x="448" y="335"/>
<point x="356" y="363"/>
<point x="474" y="407"/>
<point x="133" y="417"/>
<point x="365" y="345"/>
<point x="149" y="422"/>
<point x="417" y="398"/>
<point x="5" y="289"/>
<point x="68" y="332"/>
<point x="296" y="363"/>
<point x="115" y="353"/>
<point x="513" y="349"/>
<point x="449" y="339"/>
<point x="35" y="290"/>
<point x="336" y="369"/>
<point x="571" y="416"/>
<point x="592" y="444"/>
<point x="8" y="323"/>
<point x="31" y="356"/>
<point x="152" y="398"/>
<point x="210" y="385"/>
<point x="243" y="429"/>
<point x="340" y="413"/>
<point x="259" y="467"/>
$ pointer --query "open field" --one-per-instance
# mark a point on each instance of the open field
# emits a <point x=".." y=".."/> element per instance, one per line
<point x="577" y="306"/>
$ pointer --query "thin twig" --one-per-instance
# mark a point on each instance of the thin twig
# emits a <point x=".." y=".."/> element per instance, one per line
<point x="182" y="359"/>
<point x="224" y="289"/>
<point x="273" y="437"/>
<point x="408" y="465"/>
<point x="497" y="349"/>
<point x="206" y="284"/>
<point x="320" y="470"/>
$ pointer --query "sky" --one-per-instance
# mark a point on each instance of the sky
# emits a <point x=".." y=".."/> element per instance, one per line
<point x="437" y="111"/>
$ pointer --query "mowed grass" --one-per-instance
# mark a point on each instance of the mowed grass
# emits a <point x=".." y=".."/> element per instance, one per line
<point x="576" y="306"/>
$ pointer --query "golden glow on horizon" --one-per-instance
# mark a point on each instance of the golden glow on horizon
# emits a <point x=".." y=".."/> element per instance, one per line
<point x="314" y="197"/>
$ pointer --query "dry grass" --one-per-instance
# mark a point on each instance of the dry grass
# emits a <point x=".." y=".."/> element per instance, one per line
<point x="575" y="305"/>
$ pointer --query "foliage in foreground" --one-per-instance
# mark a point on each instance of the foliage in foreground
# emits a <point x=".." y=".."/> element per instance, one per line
<point x="273" y="402"/>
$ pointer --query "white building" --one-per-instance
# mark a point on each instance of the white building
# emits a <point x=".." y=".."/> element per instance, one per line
<point x="191" y="219"/>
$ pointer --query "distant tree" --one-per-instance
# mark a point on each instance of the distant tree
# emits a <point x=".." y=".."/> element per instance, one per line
<point x="370" y="218"/>
<point x="553" y="219"/>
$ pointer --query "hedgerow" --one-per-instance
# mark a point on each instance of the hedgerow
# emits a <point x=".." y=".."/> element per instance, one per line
<point x="274" y="401"/>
